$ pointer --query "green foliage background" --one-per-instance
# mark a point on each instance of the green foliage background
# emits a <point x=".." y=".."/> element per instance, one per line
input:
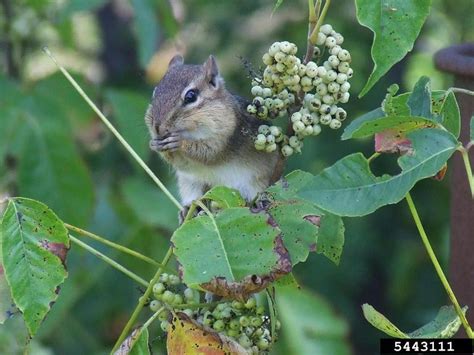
<point x="54" y="149"/>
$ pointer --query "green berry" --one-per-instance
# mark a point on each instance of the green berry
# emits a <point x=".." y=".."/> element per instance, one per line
<point x="295" y="117"/>
<point x="164" y="277"/>
<point x="165" y="325"/>
<point x="316" y="129"/>
<point x="339" y="38"/>
<point x="344" y="56"/>
<point x="158" y="288"/>
<point x="262" y="112"/>
<point x="326" y="29"/>
<point x="325" y="119"/>
<point x="174" y="280"/>
<point x="321" y="39"/>
<point x="325" y="109"/>
<point x="330" y="42"/>
<point x="308" y="131"/>
<point x="335" y="50"/>
<point x="188" y="312"/>
<point x="271" y="147"/>
<point x="298" y="126"/>
<point x="232" y="333"/>
<point x="155" y="305"/>
<point x="341" y="114"/>
<point x="333" y="87"/>
<point x="270" y="139"/>
<point x="219" y="325"/>
<point x="256" y="322"/>
<point x="263" y="344"/>
<point x="234" y="324"/>
<point x="257" y="90"/>
<point x="163" y="315"/>
<point x="244" y="321"/>
<point x="345" y="97"/>
<point x="178" y="300"/>
<point x="345" y="87"/>
<point x="168" y="297"/>
<point x="245" y="341"/>
<point x="260" y="311"/>
<point x="251" y="303"/>
<point x="259" y="146"/>
<point x="189" y="294"/>
<point x="294" y="141"/>
<point x="267" y="59"/>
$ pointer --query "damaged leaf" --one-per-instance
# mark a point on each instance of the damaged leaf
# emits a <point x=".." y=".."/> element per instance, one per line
<point x="7" y="307"/>
<point x="233" y="253"/>
<point x="445" y="325"/>
<point x="34" y="246"/>
<point x="135" y="344"/>
<point x="392" y="141"/>
<point x="186" y="336"/>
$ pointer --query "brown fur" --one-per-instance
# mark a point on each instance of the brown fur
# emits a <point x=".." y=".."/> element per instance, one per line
<point x="216" y="130"/>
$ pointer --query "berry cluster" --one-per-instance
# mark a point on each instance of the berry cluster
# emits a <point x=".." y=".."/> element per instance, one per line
<point x="268" y="137"/>
<point x="245" y="322"/>
<point x="286" y="79"/>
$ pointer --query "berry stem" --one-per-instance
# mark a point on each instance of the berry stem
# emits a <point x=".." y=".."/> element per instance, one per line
<point x="461" y="91"/>
<point x="437" y="266"/>
<point x="314" y="35"/>
<point x="116" y="246"/>
<point x="109" y="261"/>
<point x="141" y="302"/>
<point x="113" y="130"/>
<point x="312" y="19"/>
<point x="467" y="165"/>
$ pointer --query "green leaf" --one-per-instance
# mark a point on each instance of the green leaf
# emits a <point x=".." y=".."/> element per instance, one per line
<point x="471" y="135"/>
<point x="304" y="224"/>
<point x="449" y="112"/>
<point x="129" y="111"/>
<point x="399" y="123"/>
<point x="149" y="204"/>
<point x="225" y="197"/>
<point x="420" y="98"/>
<point x="230" y="250"/>
<point x="396" y="25"/>
<point x="141" y="347"/>
<point x="445" y="325"/>
<point x="50" y="168"/>
<point x="72" y="6"/>
<point x="34" y="247"/>
<point x="278" y="3"/>
<point x="349" y="188"/>
<point x="6" y="303"/>
<point x="146" y="29"/>
<point x="299" y="222"/>
<point x="356" y="124"/>
<point x="310" y="325"/>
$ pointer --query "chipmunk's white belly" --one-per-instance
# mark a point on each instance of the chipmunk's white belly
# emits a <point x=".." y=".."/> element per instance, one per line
<point x="231" y="174"/>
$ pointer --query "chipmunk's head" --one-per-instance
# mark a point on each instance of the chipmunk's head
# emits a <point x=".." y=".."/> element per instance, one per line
<point x="190" y="100"/>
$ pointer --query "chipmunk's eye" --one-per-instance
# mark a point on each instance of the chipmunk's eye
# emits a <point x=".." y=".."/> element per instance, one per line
<point x="190" y="96"/>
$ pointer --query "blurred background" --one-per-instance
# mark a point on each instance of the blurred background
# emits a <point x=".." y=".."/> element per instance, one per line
<point x="53" y="148"/>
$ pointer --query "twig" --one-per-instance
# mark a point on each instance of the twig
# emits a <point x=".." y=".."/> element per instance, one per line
<point x="312" y="19"/>
<point x="314" y="35"/>
<point x="114" y="130"/>
<point x="467" y="165"/>
<point x="109" y="261"/>
<point x="437" y="266"/>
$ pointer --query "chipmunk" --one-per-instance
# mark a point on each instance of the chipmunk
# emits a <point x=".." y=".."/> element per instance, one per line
<point x="206" y="134"/>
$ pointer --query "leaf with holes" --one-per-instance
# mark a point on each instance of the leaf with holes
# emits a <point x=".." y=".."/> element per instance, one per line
<point x="186" y="336"/>
<point x="349" y="188"/>
<point x="445" y="325"/>
<point x="225" y="197"/>
<point x="232" y="254"/>
<point x="396" y="25"/>
<point x="34" y="247"/>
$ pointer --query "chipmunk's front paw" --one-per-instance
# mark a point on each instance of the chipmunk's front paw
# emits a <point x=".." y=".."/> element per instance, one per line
<point x="168" y="143"/>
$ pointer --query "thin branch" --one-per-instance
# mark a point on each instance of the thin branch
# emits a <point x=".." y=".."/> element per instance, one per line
<point x="141" y="302"/>
<point x="314" y="35"/>
<point x="312" y="19"/>
<point x="461" y="91"/>
<point x="109" y="261"/>
<point x="373" y="157"/>
<point x="467" y="165"/>
<point x="116" y="246"/>
<point x="437" y="266"/>
<point x="114" y="130"/>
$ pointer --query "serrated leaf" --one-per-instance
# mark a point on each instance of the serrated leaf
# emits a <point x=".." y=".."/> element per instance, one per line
<point x="146" y="29"/>
<point x="225" y="197"/>
<point x="445" y="325"/>
<point x="48" y="156"/>
<point x="149" y="204"/>
<point x="34" y="247"/>
<point x="396" y="25"/>
<point x="129" y="111"/>
<point x="349" y="188"/>
<point x="186" y="336"/>
<point x="237" y="253"/>
<point x="420" y="98"/>
<point x="310" y="325"/>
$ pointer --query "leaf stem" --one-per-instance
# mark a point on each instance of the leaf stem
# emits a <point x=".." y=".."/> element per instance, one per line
<point x="437" y="266"/>
<point x="114" y="130"/>
<point x="116" y="246"/>
<point x="141" y="302"/>
<point x="312" y="19"/>
<point x="461" y="91"/>
<point x="373" y="157"/>
<point x="467" y="165"/>
<point x="109" y="261"/>
<point x="314" y="35"/>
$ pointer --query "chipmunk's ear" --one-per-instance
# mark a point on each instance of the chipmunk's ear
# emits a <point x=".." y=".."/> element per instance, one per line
<point x="176" y="60"/>
<point x="212" y="72"/>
